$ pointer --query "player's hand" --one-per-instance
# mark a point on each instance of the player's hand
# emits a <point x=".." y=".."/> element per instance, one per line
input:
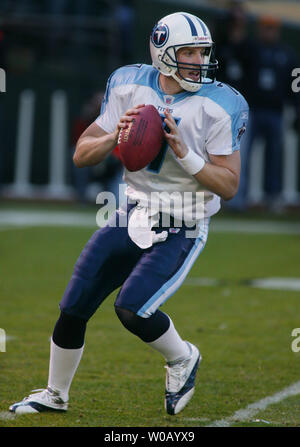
<point x="127" y="118"/>
<point x="174" y="138"/>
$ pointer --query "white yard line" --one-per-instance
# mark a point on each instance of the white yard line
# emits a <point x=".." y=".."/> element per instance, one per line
<point x="287" y="283"/>
<point x="251" y="410"/>
<point x="6" y="415"/>
<point x="46" y="218"/>
<point x="254" y="226"/>
<point x="6" y="337"/>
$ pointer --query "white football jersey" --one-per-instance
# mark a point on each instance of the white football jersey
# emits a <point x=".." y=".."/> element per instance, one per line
<point x="211" y="121"/>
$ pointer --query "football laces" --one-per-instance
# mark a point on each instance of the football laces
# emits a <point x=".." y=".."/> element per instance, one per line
<point x="126" y="133"/>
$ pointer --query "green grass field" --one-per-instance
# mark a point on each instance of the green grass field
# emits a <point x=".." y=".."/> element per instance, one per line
<point x="244" y="335"/>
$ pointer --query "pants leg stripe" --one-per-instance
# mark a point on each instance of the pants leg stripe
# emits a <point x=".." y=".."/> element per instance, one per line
<point x="170" y="287"/>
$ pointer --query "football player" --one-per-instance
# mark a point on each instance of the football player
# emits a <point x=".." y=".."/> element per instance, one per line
<point x="204" y="120"/>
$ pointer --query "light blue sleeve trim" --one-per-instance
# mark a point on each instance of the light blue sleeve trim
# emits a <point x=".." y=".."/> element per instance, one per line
<point x="140" y="74"/>
<point x="233" y="103"/>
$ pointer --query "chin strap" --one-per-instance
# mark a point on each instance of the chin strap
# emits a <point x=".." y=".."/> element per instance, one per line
<point x="188" y="86"/>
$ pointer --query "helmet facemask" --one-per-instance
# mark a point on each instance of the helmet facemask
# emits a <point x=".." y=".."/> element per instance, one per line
<point x="206" y="71"/>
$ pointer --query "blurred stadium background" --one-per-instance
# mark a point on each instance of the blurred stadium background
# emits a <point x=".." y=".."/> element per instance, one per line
<point x="57" y="56"/>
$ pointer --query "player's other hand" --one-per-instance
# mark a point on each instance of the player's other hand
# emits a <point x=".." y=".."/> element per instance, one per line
<point x="174" y="138"/>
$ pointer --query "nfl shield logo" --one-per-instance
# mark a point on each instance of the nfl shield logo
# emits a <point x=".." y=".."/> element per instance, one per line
<point x="168" y="99"/>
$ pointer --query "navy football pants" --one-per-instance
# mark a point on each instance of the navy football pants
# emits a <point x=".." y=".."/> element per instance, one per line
<point x="148" y="277"/>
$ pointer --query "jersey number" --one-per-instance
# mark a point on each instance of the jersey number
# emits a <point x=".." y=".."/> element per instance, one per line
<point x="156" y="164"/>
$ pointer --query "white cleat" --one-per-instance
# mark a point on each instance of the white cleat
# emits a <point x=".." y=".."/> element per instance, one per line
<point x="180" y="381"/>
<point x="41" y="401"/>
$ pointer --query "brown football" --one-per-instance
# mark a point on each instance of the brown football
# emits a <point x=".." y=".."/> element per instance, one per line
<point x="141" y="141"/>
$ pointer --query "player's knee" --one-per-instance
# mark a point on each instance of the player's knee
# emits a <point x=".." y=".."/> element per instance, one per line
<point x="127" y="318"/>
<point x="148" y="329"/>
<point x="69" y="331"/>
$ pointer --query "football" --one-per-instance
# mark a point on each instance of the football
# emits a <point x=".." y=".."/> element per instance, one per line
<point x="141" y="141"/>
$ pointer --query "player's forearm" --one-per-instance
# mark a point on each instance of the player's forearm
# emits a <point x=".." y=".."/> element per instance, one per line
<point x="93" y="150"/>
<point x="218" y="179"/>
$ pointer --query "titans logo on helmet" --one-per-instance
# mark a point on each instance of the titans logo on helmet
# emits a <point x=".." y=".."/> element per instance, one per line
<point x="160" y="35"/>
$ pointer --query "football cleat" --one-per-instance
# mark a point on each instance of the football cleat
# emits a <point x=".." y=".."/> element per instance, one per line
<point x="42" y="400"/>
<point x="180" y="381"/>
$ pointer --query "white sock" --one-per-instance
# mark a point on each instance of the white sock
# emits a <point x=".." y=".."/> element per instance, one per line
<point x="170" y="345"/>
<point x="62" y="367"/>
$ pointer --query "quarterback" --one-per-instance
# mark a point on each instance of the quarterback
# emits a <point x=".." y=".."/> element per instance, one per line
<point x="204" y="121"/>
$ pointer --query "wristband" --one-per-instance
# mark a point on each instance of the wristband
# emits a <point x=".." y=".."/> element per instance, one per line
<point x="191" y="162"/>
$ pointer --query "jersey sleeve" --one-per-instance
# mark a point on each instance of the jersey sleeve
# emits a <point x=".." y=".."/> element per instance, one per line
<point x="226" y="132"/>
<point x="114" y="104"/>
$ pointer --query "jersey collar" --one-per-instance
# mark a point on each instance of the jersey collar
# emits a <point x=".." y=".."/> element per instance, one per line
<point x="169" y="99"/>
